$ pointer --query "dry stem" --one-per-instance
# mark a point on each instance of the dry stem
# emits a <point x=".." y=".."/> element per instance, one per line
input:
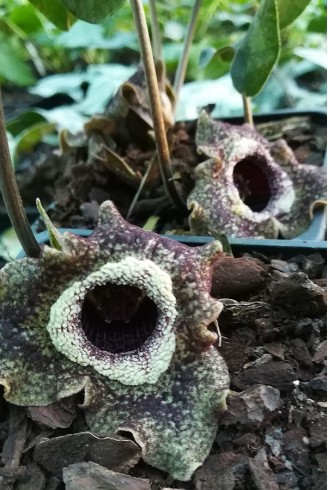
<point x="155" y="106"/>
<point x="11" y="196"/>
<point x="183" y="61"/>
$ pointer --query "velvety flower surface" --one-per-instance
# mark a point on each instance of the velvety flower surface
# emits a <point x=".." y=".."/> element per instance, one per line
<point x="249" y="187"/>
<point x="124" y="316"/>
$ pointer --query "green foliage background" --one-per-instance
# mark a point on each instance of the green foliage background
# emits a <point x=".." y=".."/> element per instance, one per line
<point x="30" y="44"/>
<point x="87" y="61"/>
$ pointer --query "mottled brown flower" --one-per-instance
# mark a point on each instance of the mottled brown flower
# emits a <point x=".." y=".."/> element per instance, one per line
<point x="124" y="316"/>
<point x="249" y="187"/>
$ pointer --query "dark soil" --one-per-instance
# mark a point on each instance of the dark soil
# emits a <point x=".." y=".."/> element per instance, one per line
<point x="273" y="433"/>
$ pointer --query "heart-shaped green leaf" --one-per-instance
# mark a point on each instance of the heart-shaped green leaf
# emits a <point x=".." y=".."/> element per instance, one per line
<point x="289" y="10"/>
<point x="93" y="11"/>
<point x="258" y="51"/>
<point x="56" y="12"/>
<point x="12" y="67"/>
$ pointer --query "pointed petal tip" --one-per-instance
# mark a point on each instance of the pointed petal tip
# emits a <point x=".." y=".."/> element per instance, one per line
<point x="109" y="215"/>
<point x="210" y="252"/>
<point x="222" y="405"/>
<point x="55" y="237"/>
<point x="197" y="211"/>
<point x="319" y="203"/>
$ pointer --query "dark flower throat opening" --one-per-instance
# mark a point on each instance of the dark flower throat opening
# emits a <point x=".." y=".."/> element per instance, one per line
<point x="252" y="183"/>
<point x="118" y="318"/>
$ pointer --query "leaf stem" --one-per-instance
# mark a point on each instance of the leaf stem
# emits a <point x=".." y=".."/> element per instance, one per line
<point x="248" y="113"/>
<point x="155" y="31"/>
<point x="183" y="61"/>
<point x="11" y="195"/>
<point x="155" y="106"/>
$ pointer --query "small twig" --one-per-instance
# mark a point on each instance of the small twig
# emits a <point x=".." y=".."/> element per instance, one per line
<point x="149" y="206"/>
<point x="216" y="323"/>
<point x="38" y="63"/>
<point x="155" y="31"/>
<point x="35" y="58"/>
<point x="155" y="106"/>
<point x="248" y="113"/>
<point x="141" y="186"/>
<point x="11" y="195"/>
<point x="183" y="61"/>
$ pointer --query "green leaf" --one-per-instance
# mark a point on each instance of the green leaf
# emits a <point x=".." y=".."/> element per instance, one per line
<point x="216" y="62"/>
<point x="222" y="237"/>
<point x="318" y="24"/>
<point x="26" y="18"/>
<point x="258" y="51"/>
<point x="151" y="223"/>
<point x="210" y="55"/>
<point x="289" y="10"/>
<point x="23" y="121"/>
<point x="205" y="57"/>
<point x="93" y="11"/>
<point x="26" y="141"/>
<point x="12" y="67"/>
<point x="56" y="239"/>
<point x="56" y="12"/>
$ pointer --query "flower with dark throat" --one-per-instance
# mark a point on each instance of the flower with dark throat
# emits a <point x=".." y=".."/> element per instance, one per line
<point x="126" y="317"/>
<point x="249" y="187"/>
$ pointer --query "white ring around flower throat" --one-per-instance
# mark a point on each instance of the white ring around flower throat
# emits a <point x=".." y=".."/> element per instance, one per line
<point x="144" y="365"/>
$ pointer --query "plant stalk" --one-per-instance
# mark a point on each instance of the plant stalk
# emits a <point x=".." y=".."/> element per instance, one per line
<point x="139" y="190"/>
<point x="155" y="106"/>
<point x="248" y="113"/>
<point x="183" y="61"/>
<point x="155" y="31"/>
<point x="11" y="195"/>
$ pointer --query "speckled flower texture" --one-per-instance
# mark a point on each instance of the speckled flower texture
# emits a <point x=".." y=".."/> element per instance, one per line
<point x="249" y="187"/>
<point x="126" y="316"/>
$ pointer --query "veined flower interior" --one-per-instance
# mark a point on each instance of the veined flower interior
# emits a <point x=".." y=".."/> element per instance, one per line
<point x="118" y="318"/>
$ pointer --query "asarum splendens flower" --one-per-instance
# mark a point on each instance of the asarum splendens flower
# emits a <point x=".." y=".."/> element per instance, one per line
<point x="124" y="316"/>
<point x="250" y="187"/>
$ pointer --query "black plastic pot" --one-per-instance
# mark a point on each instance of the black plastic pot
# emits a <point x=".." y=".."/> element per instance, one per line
<point x="239" y="246"/>
<point x="31" y="212"/>
<point x="313" y="239"/>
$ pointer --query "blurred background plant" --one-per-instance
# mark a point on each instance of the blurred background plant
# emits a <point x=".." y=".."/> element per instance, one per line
<point x="64" y="69"/>
<point x="32" y="48"/>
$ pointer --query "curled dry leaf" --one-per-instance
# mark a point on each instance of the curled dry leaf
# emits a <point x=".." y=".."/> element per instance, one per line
<point x="132" y="96"/>
<point x="56" y="415"/>
<point x="115" y="453"/>
<point x="91" y="475"/>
